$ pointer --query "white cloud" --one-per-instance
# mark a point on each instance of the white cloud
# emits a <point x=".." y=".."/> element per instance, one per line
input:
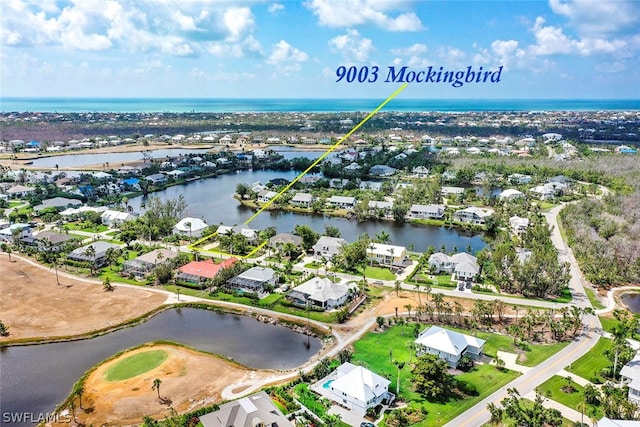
<point x="284" y="52"/>
<point x="350" y="13"/>
<point x="275" y="7"/>
<point x="352" y="46"/>
<point x="551" y="40"/>
<point x="416" y="49"/>
<point x="597" y="18"/>
<point x="175" y="28"/>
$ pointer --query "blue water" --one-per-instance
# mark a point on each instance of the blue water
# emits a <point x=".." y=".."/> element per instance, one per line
<point x="185" y="105"/>
<point x="327" y="384"/>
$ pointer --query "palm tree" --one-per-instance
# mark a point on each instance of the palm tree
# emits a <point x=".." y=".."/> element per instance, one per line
<point x="383" y="237"/>
<point x="6" y="248"/>
<point x="78" y="392"/>
<point x="399" y="365"/>
<point x="397" y="286"/>
<point x="156" y="386"/>
<point x="90" y="252"/>
<point x="408" y="307"/>
<point x="417" y="286"/>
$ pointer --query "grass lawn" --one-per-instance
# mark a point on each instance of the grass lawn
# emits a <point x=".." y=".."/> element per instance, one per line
<point x="135" y="365"/>
<point x="536" y="354"/>
<point x="379" y="273"/>
<point x="608" y="323"/>
<point x="14" y="203"/>
<point x="377" y="350"/>
<point x="553" y="389"/>
<point x="89" y="228"/>
<point x="592" y="298"/>
<point x="313" y="265"/>
<point x="590" y="365"/>
<point x="266" y="302"/>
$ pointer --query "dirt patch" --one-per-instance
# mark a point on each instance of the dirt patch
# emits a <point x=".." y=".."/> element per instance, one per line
<point x="189" y="380"/>
<point x="33" y="305"/>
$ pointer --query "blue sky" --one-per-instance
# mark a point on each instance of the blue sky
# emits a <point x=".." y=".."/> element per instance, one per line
<point x="291" y="49"/>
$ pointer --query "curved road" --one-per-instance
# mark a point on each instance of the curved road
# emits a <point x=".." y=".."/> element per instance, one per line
<point x="478" y="414"/>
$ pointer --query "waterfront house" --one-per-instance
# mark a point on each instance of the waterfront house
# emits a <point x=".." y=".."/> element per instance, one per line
<point x="472" y="215"/>
<point x="342" y="202"/>
<point x="266" y="195"/>
<point x="426" y="211"/>
<point x="441" y="262"/>
<point x="256" y="279"/>
<point x="510" y="194"/>
<point x="99" y="256"/>
<point x="250" y="234"/>
<point x="387" y="255"/>
<point x="630" y="375"/>
<point x="197" y="272"/>
<point x="518" y="178"/>
<point x="451" y="191"/>
<point x="145" y="263"/>
<point x="327" y="247"/>
<point x="371" y="185"/>
<point x="449" y="345"/>
<point x="358" y="388"/>
<point x="466" y="266"/>
<point x="303" y="200"/>
<point x="156" y="178"/>
<point x="384" y="206"/>
<point x="256" y="410"/>
<point x="284" y="238"/>
<point x="338" y="183"/>
<point x="112" y="218"/>
<point x="192" y="227"/>
<point x="321" y="293"/>
<point x="382" y="170"/>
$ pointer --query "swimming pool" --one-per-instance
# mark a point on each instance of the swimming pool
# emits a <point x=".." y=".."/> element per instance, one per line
<point x="327" y="384"/>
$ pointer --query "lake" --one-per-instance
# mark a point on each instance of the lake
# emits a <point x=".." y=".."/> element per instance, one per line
<point x="212" y="200"/>
<point x="36" y="378"/>
<point x="78" y="160"/>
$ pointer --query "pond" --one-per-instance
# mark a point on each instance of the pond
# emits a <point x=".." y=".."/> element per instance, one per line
<point x="632" y="301"/>
<point x="36" y="378"/>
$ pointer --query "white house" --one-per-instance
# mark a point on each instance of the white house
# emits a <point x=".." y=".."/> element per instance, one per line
<point x="358" y="388"/>
<point x="426" y="211"/>
<point x="472" y="215"/>
<point x="387" y="254"/>
<point x="440" y="262"/>
<point x="510" y="194"/>
<point x="518" y="224"/>
<point x="327" y="247"/>
<point x="630" y="374"/>
<point x="23" y="231"/>
<point x="466" y="266"/>
<point x="343" y="202"/>
<point x="518" y="178"/>
<point x="265" y="195"/>
<point x="113" y="218"/>
<point x="384" y="206"/>
<point x="420" y="172"/>
<point x="250" y="411"/>
<point x="304" y="200"/>
<point x="449" y="345"/>
<point x="192" y="227"/>
<point x="322" y="293"/>
<point x="451" y="191"/>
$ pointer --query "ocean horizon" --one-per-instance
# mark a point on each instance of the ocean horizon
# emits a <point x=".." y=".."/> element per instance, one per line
<point x="320" y="105"/>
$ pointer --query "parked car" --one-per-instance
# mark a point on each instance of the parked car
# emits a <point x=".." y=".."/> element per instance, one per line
<point x="378" y="282"/>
